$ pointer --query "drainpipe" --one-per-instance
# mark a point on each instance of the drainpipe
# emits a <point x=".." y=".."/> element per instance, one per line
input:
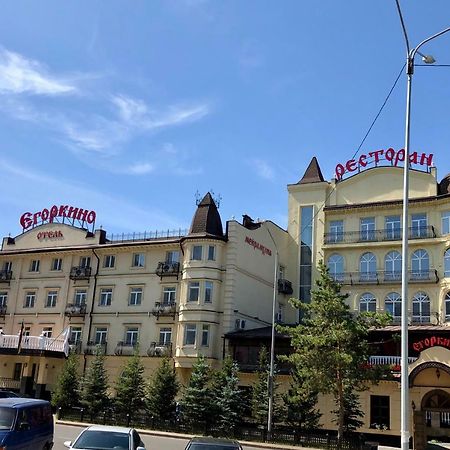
<point x="92" y="308"/>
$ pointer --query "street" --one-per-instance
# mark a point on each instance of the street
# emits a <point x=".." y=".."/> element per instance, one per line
<point x="69" y="433"/>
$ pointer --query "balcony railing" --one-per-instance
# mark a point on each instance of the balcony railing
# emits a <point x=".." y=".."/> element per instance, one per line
<point x="5" y="276"/>
<point x="385" y="277"/>
<point x="74" y="346"/>
<point x="164" y="309"/>
<point x="168" y="269"/>
<point x="160" y="349"/>
<point x="352" y="237"/>
<point x="389" y="360"/>
<point x="125" y="348"/>
<point x="9" y="383"/>
<point x="3" y="309"/>
<point x="73" y="310"/>
<point x="80" y="273"/>
<point x="285" y="287"/>
<point x="35" y="343"/>
<point x="91" y="347"/>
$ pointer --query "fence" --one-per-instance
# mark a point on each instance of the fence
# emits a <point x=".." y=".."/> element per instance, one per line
<point x="246" y="431"/>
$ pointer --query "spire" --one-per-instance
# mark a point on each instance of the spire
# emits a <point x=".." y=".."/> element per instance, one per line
<point x="313" y="174"/>
<point x="207" y="218"/>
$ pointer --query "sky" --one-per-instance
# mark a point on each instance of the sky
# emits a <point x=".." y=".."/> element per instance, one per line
<point x="134" y="108"/>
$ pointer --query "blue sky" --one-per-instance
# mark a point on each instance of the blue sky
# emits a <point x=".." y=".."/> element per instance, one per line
<point x="129" y="108"/>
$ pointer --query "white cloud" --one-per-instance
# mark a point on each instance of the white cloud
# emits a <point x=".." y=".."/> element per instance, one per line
<point x="139" y="168"/>
<point x="263" y="169"/>
<point x="19" y="75"/>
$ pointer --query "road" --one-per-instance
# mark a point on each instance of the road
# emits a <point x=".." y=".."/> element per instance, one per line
<point x="69" y="433"/>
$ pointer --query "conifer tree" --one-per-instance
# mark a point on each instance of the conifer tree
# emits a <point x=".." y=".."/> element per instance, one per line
<point x="196" y="403"/>
<point x="162" y="392"/>
<point x="94" y="387"/>
<point x="130" y="386"/>
<point x="66" y="393"/>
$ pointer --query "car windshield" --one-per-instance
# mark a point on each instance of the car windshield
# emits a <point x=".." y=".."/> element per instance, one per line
<point x="99" y="440"/>
<point x="6" y="418"/>
<point x="212" y="446"/>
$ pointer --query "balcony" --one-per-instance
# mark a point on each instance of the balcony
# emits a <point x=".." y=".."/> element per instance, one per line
<point x="385" y="277"/>
<point x="9" y="384"/>
<point x="73" y="310"/>
<point x="164" y="309"/>
<point x="168" y="269"/>
<point x="385" y="235"/>
<point x="125" y="348"/>
<point x="80" y="273"/>
<point x="3" y="309"/>
<point x="285" y="287"/>
<point x="74" y="346"/>
<point x="5" y="276"/>
<point x="160" y="349"/>
<point x="34" y="344"/>
<point x="91" y="347"/>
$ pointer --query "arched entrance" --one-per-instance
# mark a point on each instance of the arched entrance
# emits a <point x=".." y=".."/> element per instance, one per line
<point x="436" y="408"/>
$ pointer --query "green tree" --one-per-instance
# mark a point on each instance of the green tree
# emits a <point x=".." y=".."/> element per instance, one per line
<point x="66" y="393"/>
<point x="196" y="403"/>
<point x="94" y="387"/>
<point x="331" y="347"/>
<point x="226" y="397"/>
<point x="352" y="411"/>
<point x="130" y="386"/>
<point x="162" y="391"/>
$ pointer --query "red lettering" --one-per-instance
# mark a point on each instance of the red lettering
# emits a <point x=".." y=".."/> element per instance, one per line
<point x="82" y="214"/>
<point x="63" y="211"/>
<point x="399" y="156"/>
<point x="389" y="154"/>
<point x="53" y="212"/>
<point x="426" y="159"/>
<point x="362" y="161"/>
<point x="413" y="158"/>
<point x="340" y="170"/>
<point x="376" y="155"/>
<point x="44" y="214"/>
<point x="39" y="235"/>
<point x="416" y="347"/>
<point x="426" y="341"/>
<point x="91" y="217"/>
<point x="26" y="221"/>
<point x="432" y="341"/>
<point x="351" y="165"/>
<point x="35" y="217"/>
<point x="72" y="212"/>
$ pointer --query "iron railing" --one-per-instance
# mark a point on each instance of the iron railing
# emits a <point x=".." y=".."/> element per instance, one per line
<point x="160" y="349"/>
<point x="92" y="346"/>
<point x="167" y="269"/>
<point x="164" y="309"/>
<point x="80" y="273"/>
<point x="73" y="310"/>
<point x="385" y="277"/>
<point x="147" y="235"/>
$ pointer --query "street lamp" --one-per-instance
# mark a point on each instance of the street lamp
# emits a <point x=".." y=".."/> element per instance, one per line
<point x="427" y="59"/>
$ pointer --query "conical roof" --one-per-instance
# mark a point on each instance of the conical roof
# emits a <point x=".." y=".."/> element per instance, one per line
<point x="313" y="174"/>
<point x="207" y="218"/>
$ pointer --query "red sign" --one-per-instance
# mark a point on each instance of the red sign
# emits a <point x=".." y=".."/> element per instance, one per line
<point x="257" y="245"/>
<point x="431" y="341"/>
<point x="390" y="155"/>
<point x="28" y="220"/>
<point x="50" y="235"/>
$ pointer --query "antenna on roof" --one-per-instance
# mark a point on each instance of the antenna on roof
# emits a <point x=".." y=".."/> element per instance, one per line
<point x="197" y="198"/>
<point x="217" y="198"/>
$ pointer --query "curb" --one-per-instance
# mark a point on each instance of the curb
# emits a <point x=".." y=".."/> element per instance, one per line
<point x="268" y="445"/>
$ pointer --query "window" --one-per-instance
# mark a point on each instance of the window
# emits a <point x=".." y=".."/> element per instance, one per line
<point x="169" y="295"/>
<point x="393" y="266"/>
<point x="392" y="228"/>
<point x="421" y="308"/>
<point x="172" y="257"/>
<point x="135" y="296"/>
<point x="380" y="412"/>
<point x="368" y="267"/>
<point x="418" y="225"/>
<point x="52" y="296"/>
<point x="47" y="332"/>
<point x="367" y="303"/>
<point x="447" y="307"/>
<point x="34" y="266"/>
<point x="196" y="253"/>
<point x="30" y="299"/>
<point x="165" y="336"/>
<point x="336" y="231"/>
<point x="109" y="261"/>
<point x="3" y="299"/>
<point x="367" y="229"/>
<point x="85" y="261"/>
<point x="447" y="263"/>
<point x="27" y="331"/>
<point x="393" y="306"/>
<point x="131" y="336"/>
<point x="190" y="330"/>
<point x="194" y="290"/>
<point x="17" y="374"/>
<point x="105" y="297"/>
<point x="56" y="264"/>
<point x="445" y="217"/>
<point x="7" y="266"/>
<point x="211" y="253"/>
<point x="80" y="297"/>
<point x="420" y="265"/>
<point x="208" y="291"/>
<point x="101" y="334"/>
<point x="138" y="260"/>
<point x="336" y="267"/>
<point x="205" y="335"/>
<point x="75" y="335"/>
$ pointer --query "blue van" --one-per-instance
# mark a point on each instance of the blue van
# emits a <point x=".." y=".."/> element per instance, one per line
<point x="25" y="424"/>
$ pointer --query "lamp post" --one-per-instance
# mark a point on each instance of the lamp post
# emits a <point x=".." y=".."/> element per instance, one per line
<point x="427" y="59"/>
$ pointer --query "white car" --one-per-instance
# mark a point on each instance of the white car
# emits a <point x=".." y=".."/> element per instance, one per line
<point x="97" y="437"/>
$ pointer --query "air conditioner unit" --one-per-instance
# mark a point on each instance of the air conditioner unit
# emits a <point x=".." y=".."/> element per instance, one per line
<point x="240" y="324"/>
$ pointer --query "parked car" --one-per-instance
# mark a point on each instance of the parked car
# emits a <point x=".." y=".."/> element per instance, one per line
<point x="206" y="443"/>
<point x="8" y="394"/>
<point x="25" y="424"/>
<point x="105" y="437"/>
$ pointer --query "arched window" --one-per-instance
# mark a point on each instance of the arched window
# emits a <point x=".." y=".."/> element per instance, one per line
<point x="447" y="263"/>
<point x="420" y="265"/>
<point x="393" y="266"/>
<point x="421" y="308"/>
<point x="393" y="305"/>
<point x="367" y="303"/>
<point x="368" y="267"/>
<point x="336" y="266"/>
<point x="447" y="307"/>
